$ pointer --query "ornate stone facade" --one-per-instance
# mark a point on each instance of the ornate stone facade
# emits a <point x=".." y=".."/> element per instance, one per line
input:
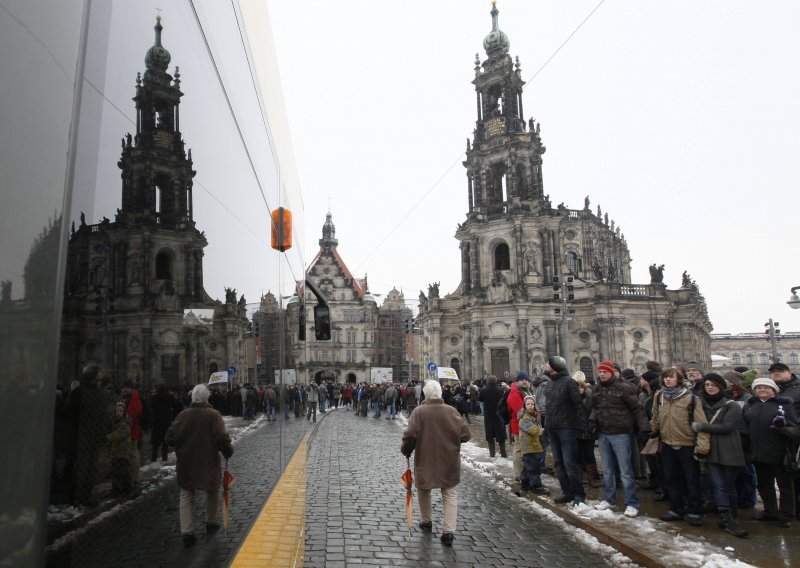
<point x="755" y="350"/>
<point x="134" y="298"/>
<point x="518" y="251"/>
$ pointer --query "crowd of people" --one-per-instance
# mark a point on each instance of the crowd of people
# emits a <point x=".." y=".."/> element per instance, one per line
<point x="706" y="443"/>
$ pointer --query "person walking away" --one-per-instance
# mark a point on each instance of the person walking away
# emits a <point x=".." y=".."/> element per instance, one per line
<point x="515" y="403"/>
<point x="88" y="423"/>
<point x="770" y="425"/>
<point x="563" y="404"/>
<point x="531" y="447"/>
<point x="165" y="409"/>
<point x="390" y="396"/>
<point x="587" y="431"/>
<point x="199" y="436"/>
<point x="312" y="399"/>
<point x="617" y="411"/>
<point x="434" y="435"/>
<point x="410" y="399"/>
<point x="489" y="397"/>
<point x="134" y="410"/>
<point x="120" y="440"/>
<point x="726" y="458"/>
<point x="675" y="408"/>
<point x="376" y="397"/>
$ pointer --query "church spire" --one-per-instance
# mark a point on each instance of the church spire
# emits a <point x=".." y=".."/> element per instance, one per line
<point x="328" y="232"/>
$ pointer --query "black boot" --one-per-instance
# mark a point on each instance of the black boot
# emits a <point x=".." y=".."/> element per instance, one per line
<point x="491" y="448"/>
<point x="728" y="523"/>
<point x="503" y="449"/>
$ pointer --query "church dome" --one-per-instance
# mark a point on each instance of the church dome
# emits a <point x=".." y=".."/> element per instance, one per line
<point x="496" y="43"/>
<point x="157" y="58"/>
<point x="369" y="298"/>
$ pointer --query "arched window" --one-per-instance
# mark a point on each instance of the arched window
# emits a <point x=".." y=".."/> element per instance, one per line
<point x="587" y="367"/>
<point x="456" y="365"/>
<point x="573" y="262"/>
<point x="737" y="359"/>
<point x="163" y="266"/>
<point x="213" y="368"/>
<point x="763" y="358"/>
<point x="751" y="359"/>
<point x="793" y="359"/>
<point x="502" y="257"/>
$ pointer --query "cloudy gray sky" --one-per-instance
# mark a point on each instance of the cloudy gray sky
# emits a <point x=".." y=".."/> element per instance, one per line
<point x="679" y="118"/>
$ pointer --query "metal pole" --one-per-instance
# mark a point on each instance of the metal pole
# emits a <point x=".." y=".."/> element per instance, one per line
<point x="565" y="348"/>
<point x="773" y="341"/>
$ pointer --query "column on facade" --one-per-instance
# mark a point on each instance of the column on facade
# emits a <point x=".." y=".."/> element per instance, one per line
<point x="474" y="263"/>
<point x="520" y="259"/>
<point x="619" y="340"/>
<point x="147" y="354"/>
<point x="436" y="344"/>
<point x="477" y="348"/>
<point x="551" y="337"/>
<point x="465" y="266"/>
<point x="522" y="326"/>
<point x="470" y="190"/>
<point x="466" y="356"/>
<point x="602" y="337"/>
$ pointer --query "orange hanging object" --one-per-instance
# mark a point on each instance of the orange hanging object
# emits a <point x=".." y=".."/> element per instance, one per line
<point x="281" y="229"/>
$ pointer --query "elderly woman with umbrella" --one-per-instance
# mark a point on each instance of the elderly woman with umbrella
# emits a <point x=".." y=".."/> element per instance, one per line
<point x="199" y="436"/>
<point x="434" y="435"/>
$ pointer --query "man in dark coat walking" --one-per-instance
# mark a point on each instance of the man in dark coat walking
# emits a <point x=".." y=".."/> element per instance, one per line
<point x="199" y="436"/>
<point x="490" y="396"/>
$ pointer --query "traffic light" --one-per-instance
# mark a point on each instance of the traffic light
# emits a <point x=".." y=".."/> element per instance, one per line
<point x="322" y="322"/>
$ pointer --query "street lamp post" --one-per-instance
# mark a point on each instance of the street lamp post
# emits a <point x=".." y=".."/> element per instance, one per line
<point x="774" y="333"/>
<point x="564" y="290"/>
<point x="794" y="299"/>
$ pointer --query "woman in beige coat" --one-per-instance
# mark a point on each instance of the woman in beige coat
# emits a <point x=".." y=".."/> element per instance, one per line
<point x="434" y="434"/>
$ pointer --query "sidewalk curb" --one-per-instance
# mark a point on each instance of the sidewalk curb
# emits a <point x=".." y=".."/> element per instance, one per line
<point x="641" y="558"/>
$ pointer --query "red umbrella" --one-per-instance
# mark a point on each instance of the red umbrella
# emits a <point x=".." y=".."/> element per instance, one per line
<point x="227" y="482"/>
<point x="407" y="481"/>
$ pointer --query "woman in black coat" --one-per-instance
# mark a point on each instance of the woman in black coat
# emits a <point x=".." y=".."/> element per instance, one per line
<point x="725" y="460"/>
<point x="770" y="424"/>
<point x="490" y="396"/>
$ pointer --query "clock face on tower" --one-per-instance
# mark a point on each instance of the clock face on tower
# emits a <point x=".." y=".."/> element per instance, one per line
<point x="496" y="126"/>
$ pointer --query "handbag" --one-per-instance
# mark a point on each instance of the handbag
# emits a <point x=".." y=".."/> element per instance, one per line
<point x="652" y="447"/>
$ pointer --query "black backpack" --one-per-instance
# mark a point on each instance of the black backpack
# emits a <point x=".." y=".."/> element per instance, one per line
<point x="502" y="409"/>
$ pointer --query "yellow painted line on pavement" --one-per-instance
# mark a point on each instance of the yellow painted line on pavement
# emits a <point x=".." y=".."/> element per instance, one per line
<point x="277" y="536"/>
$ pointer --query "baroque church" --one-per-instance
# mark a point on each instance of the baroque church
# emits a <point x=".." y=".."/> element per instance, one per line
<point x="538" y="280"/>
<point x="363" y="335"/>
<point x="134" y="298"/>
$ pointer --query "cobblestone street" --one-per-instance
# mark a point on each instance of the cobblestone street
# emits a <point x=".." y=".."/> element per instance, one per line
<point x="355" y="510"/>
<point x="146" y="532"/>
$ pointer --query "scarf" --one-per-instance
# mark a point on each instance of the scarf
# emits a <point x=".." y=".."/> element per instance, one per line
<point x="672" y="393"/>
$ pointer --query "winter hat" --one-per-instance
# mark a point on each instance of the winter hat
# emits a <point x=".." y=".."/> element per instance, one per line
<point x="580" y="378"/>
<point x="717" y="380"/>
<point x="650" y="376"/>
<point x="628" y="374"/>
<point x="522" y="376"/>
<point x="607" y="366"/>
<point x="533" y="398"/>
<point x="733" y="377"/>
<point x="692" y="365"/>
<point x="127" y="384"/>
<point x="767" y="383"/>
<point x="120" y="404"/>
<point x="557" y="363"/>
<point x="778" y="367"/>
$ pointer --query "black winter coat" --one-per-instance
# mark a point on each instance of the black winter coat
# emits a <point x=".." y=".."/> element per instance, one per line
<point x="563" y="401"/>
<point x="490" y="396"/>
<point x="724" y="421"/>
<point x="587" y="429"/>
<point x="765" y="444"/>
<point x="617" y="408"/>
<point x="792" y="390"/>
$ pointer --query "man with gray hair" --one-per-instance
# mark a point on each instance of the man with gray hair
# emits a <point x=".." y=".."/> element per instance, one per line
<point x="199" y="436"/>
<point x="434" y="435"/>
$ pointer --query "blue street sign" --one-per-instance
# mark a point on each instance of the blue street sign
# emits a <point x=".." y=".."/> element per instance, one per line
<point x="231" y="371"/>
<point x="431" y="366"/>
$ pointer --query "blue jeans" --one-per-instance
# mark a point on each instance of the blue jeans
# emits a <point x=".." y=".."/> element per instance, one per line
<point x="390" y="410"/>
<point x="616" y="451"/>
<point x="746" y="485"/>
<point x="531" y="475"/>
<point x="564" y="444"/>
<point x="723" y="481"/>
<point x="377" y="406"/>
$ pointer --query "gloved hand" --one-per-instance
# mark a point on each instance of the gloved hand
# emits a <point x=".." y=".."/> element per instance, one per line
<point x="642" y="438"/>
<point x="699" y="457"/>
<point x="655" y="434"/>
<point x="778" y="422"/>
<point x="697" y="426"/>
